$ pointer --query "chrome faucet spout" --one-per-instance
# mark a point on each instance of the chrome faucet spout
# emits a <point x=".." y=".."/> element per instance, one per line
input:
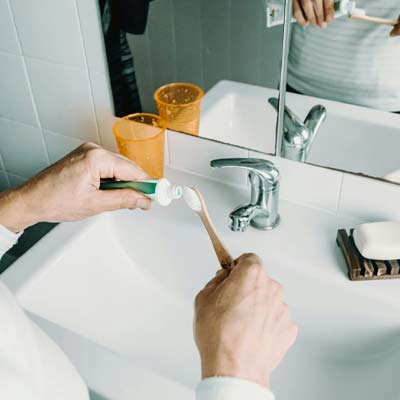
<point x="262" y="212"/>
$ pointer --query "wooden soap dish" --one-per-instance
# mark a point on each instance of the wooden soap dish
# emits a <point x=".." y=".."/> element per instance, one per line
<point x="364" y="269"/>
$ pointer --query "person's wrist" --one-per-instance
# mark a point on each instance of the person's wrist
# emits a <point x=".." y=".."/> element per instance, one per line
<point x="228" y="369"/>
<point x="15" y="212"/>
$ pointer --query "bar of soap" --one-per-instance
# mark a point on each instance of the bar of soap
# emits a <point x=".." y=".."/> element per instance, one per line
<point x="378" y="240"/>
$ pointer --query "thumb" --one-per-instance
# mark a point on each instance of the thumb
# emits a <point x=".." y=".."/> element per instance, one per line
<point x="111" y="200"/>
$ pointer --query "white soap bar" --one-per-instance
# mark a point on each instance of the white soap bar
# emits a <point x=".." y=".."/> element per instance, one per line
<point x="378" y="240"/>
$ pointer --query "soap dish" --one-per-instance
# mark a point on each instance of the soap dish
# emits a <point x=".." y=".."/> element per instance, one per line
<point x="361" y="268"/>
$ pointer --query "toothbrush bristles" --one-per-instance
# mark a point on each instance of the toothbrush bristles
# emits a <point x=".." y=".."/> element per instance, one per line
<point x="192" y="199"/>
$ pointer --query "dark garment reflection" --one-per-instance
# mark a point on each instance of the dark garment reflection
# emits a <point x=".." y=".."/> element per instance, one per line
<point x="119" y="17"/>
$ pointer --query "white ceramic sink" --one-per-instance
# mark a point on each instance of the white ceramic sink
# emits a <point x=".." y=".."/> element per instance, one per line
<point x="238" y="113"/>
<point x="352" y="138"/>
<point x="126" y="281"/>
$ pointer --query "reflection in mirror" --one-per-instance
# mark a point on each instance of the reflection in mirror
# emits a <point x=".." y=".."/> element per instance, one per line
<point x="344" y="66"/>
<point x="222" y="46"/>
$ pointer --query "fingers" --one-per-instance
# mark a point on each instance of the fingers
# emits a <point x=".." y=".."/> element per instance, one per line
<point x="298" y="13"/>
<point x="308" y="11"/>
<point x="218" y="279"/>
<point x="314" y="12"/>
<point x="319" y="13"/>
<point x="111" y="200"/>
<point x="247" y="274"/>
<point x="396" y="30"/>
<point x="329" y="10"/>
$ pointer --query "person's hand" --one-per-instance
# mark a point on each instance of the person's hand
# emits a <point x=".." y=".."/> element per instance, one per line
<point x="396" y="30"/>
<point x="314" y="12"/>
<point x="69" y="190"/>
<point x="242" y="327"/>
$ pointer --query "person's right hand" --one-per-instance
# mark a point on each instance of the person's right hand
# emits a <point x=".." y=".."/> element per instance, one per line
<point x="314" y="12"/>
<point x="242" y="327"/>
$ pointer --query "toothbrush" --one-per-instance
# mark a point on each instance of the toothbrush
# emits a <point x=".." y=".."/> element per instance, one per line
<point x="360" y="15"/>
<point x="194" y="199"/>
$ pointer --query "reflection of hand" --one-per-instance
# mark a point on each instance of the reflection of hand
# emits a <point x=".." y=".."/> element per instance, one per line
<point x="243" y="329"/>
<point x="314" y="12"/>
<point x="396" y="30"/>
<point x="69" y="190"/>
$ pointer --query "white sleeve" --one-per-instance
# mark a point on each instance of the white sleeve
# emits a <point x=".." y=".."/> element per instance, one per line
<point x="221" y="388"/>
<point x="7" y="239"/>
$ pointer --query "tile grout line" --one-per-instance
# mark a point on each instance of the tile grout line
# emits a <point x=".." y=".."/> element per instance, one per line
<point x="43" y="60"/>
<point x="88" y="74"/>
<point x="28" y="79"/>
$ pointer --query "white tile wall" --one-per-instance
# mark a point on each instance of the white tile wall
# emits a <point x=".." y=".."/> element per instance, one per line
<point x="4" y="183"/>
<point x="63" y="99"/>
<point x="59" y="145"/>
<point x="22" y="148"/>
<point x="49" y="31"/>
<point x="8" y="36"/>
<point x="54" y="91"/>
<point x="16" y="180"/>
<point x="15" y="97"/>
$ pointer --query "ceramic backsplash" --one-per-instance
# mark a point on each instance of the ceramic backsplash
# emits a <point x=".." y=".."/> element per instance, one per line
<point x="54" y="90"/>
<point x="332" y="191"/>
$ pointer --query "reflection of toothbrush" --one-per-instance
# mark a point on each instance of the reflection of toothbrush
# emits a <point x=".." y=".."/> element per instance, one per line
<point x="195" y="201"/>
<point x="361" y="15"/>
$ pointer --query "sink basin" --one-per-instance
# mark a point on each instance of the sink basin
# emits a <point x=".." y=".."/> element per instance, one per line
<point x="239" y="114"/>
<point x="126" y="281"/>
<point x="351" y="137"/>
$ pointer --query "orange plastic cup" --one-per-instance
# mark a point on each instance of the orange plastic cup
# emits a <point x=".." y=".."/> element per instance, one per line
<point x="179" y="104"/>
<point x="141" y="137"/>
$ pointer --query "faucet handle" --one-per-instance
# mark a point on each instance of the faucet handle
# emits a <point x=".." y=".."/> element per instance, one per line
<point x="296" y="132"/>
<point x="264" y="169"/>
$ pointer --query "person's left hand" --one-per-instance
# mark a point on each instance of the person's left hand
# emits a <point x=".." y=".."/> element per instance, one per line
<point x="69" y="190"/>
<point x="396" y="30"/>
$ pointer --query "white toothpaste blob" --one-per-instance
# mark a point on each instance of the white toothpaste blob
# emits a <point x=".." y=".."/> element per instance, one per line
<point x="357" y="12"/>
<point x="191" y="198"/>
<point x="347" y="6"/>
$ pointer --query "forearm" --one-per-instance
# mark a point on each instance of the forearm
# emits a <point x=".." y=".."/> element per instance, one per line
<point x="15" y="213"/>
<point x="231" y="389"/>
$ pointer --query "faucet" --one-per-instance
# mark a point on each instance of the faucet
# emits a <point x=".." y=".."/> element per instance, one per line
<point x="262" y="212"/>
<point x="298" y="136"/>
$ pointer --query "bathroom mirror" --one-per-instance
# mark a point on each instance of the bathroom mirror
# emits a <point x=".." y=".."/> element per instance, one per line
<point x="223" y="46"/>
<point x="352" y="69"/>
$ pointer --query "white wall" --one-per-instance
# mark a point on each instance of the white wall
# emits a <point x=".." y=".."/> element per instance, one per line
<point x="204" y="41"/>
<point x="54" y="90"/>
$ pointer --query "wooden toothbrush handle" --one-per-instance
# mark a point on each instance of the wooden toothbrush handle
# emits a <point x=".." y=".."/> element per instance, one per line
<point x="223" y="255"/>
<point x="377" y="20"/>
